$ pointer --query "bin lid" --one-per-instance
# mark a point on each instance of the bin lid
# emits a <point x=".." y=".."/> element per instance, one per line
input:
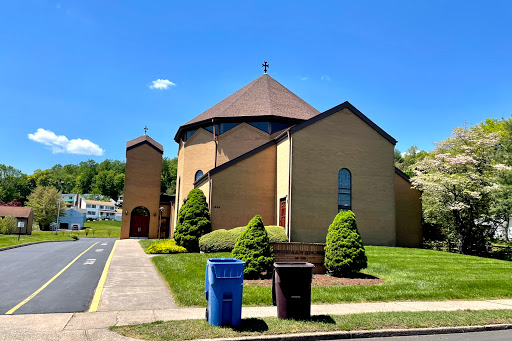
<point x="226" y="267"/>
<point x="293" y="265"/>
<point x="225" y="261"/>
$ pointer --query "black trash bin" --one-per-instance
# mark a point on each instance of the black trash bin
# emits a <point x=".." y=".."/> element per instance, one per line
<point x="291" y="290"/>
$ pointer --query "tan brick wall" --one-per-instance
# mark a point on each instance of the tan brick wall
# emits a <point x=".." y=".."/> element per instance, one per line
<point x="142" y="186"/>
<point x="205" y="187"/>
<point x="408" y="214"/>
<point x="239" y="140"/>
<point x="282" y="175"/>
<point x="198" y="153"/>
<point x="243" y="190"/>
<point x="320" y="150"/>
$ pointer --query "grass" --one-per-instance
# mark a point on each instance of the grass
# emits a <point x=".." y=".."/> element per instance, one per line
<point x="102" y="228"/>
<point x="409" y="274"/>
<point x="200" y="329"/>
<point x="36" y="236"/>
<point x="145" y="243"/>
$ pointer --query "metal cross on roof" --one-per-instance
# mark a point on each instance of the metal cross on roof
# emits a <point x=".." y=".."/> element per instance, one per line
<point x="145" y="130"/>
<point x="265" y="65"/>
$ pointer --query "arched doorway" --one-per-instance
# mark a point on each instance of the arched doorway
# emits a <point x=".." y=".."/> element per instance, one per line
<point x="139" y="223"/>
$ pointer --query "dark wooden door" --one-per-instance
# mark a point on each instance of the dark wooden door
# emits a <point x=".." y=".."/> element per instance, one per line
<point x="139" y="226"/>
<point x="282" y="212"/>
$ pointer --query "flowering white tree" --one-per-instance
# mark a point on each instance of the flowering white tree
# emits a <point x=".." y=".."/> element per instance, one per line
<point x="459" y="182"/>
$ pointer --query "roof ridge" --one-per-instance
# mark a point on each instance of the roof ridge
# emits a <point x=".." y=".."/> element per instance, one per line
<point x="268" y="92"/>
<point x="242" y="93"/>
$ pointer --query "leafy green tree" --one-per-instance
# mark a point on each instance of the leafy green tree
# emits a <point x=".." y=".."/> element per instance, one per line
<point x="45" y="203"/>
<point x="193" y="221"/>
<point x="169" y="174"/>
<point x="253" y="247"/>
<point x="108" y="183"/>
<point x="459" y="183"/>
<point x="344" y="249"/>
<point x="8" y="225"/>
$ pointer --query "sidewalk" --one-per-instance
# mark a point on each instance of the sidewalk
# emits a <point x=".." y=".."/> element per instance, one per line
<point x="133" y="282"/>
<point x="134" y="293"/>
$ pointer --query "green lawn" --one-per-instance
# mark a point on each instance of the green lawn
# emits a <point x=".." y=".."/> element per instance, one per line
<point x="36" y="236"/>
<point x="409" y="274"/>
<point x="200" y="329"/>
<point x="145" y="243"/>
<point x="102" y="228"/>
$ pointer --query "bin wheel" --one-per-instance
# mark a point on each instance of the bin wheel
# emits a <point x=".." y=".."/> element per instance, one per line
<point x="206" y="314"/>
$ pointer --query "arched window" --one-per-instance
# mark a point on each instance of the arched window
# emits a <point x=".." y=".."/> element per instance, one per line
<point x="199" y="174"/>
<point x="344" y="190"/>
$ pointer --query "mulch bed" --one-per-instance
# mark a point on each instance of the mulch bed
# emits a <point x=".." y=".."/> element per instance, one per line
<point x="324" y="280"/>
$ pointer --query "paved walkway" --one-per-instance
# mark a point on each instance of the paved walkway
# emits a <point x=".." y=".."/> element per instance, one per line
<point x="133" y="282"/>
<point x="134" y="293"/>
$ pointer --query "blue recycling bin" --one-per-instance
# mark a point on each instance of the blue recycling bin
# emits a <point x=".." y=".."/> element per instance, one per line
<point x="223" y="285"/>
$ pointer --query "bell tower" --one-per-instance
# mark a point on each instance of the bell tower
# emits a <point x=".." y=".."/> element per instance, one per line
<point x="141" y="205"/>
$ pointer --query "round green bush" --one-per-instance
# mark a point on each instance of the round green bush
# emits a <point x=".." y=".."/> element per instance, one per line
<point x="193" y="221"/>
<point x="344" y="249"/>
<point x="253" y="247"/>
<point x="225" y="240"/>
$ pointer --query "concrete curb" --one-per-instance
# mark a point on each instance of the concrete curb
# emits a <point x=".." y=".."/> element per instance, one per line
<point x="27" y="244"/>
<point x="363" y="334"/>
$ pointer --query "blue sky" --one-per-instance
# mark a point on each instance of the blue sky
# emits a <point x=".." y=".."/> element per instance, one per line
<point x="83" y="70"/>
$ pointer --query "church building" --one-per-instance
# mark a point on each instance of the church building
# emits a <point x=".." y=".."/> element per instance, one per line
<point x="263" y="150"/>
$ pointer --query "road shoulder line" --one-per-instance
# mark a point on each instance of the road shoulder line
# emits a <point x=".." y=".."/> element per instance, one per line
<point x="99" y="289"/>
<point x="33" y="243"/>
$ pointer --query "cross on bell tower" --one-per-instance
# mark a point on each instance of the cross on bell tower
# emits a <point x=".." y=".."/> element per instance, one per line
<point x="145" y="130"/>
<point x="265" y="65"/>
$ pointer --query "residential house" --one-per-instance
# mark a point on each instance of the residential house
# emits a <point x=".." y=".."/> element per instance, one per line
<point x="98" y="210"/>
<point x="24" y="217"/>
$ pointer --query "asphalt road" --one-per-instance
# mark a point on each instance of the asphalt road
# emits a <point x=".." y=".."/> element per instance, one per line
<point x="26" y="269"/>
<point x="497" y="335"/>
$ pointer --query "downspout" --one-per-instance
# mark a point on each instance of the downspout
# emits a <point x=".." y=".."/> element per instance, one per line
<point x="210" y="194"/>
<point x="288" y="197"/>
<point x="214" y="141"/>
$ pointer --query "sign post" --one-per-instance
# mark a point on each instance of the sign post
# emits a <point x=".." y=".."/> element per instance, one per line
<point x="20" y="225"/>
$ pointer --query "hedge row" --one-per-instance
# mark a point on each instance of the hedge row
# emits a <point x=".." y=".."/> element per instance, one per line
<point x="225" y="240"/>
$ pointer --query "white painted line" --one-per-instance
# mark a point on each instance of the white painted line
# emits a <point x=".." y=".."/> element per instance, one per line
<point x="104" y="244"/>
<point x="99" y="250"/>
<point x="90" y="261"/>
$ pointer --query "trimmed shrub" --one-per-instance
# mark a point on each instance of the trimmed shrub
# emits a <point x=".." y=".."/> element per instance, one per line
<point x="165" y="246"/>
<point x="225" y="240"/>
<point x="253" y="247"/>
<point x="193" y="221"/>
<point x="344" y="249"/>
<point x="9" y="225"/>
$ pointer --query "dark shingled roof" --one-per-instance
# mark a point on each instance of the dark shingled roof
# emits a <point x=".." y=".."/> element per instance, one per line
<point x="14" y="211"/>
<point x="262" y="97"/>
<point x="144" y="139"/>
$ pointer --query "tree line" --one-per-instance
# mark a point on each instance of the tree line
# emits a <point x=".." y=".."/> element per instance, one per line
<point x="87" y="177"/>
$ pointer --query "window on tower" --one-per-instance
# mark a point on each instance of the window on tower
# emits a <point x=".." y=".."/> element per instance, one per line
<point x="198" y="175"/>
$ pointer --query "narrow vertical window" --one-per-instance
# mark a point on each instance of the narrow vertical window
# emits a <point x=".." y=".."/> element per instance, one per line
<point x="344" y="190"/>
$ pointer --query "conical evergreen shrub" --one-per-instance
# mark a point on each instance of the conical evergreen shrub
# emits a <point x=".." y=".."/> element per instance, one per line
<point x="344" y="250"/>
<point x="193" y="221"/>
<point x="253" y="247"/>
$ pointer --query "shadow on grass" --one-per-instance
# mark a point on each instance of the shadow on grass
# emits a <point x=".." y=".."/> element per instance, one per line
<point x="322" y="319"/>
<point x="251" y="325"/>
<point x="355" y="275"/>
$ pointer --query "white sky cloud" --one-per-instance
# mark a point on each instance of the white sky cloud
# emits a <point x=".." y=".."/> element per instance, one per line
<point x="304" y="79"/>
<point x="325" y="78"/>
<point x="161" y="84"/>
<point x="61" y="144"/>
